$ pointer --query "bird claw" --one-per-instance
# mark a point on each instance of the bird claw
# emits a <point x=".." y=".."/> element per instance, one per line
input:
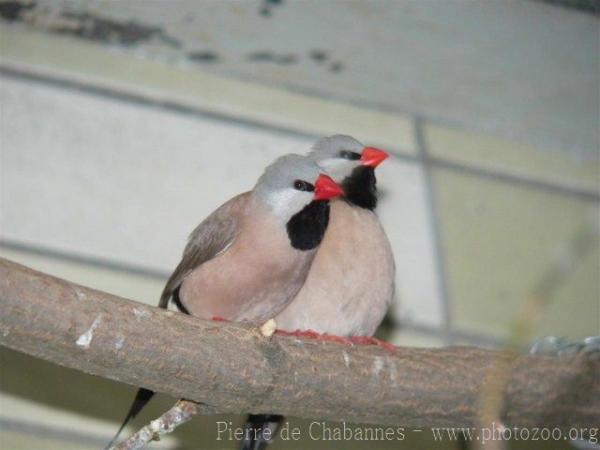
<point x="218" y="319"/>
<point x="369" y="340"/>
<point x="308" y="334"/>
<point x="352" y="340"/>
<point x="338" y="339"/>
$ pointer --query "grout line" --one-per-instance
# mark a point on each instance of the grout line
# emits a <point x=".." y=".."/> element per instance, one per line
<point x="435" y="230"/>
<point x="174" y="106"/>
<point x="140" y="99"/>
<point x="386" y="108"/>
<point x="512" y="179"/>
<point x="93" y="261"/>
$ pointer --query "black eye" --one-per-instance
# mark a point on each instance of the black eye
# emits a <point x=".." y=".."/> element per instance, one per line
<point x="347" y="154"/>
<point x="303" y="186"/>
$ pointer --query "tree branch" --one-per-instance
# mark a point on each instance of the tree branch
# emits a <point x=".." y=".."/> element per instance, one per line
<point x="179" y="414"/>
<point x="231" y="368"/>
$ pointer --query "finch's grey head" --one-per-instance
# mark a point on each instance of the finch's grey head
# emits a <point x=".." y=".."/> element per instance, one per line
<point x="291" y="183"/>
<point x="339" y="155"/>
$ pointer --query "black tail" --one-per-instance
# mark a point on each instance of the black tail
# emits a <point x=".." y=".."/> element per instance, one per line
<point x="255" y="437"/>
<point x="142" y="397"/>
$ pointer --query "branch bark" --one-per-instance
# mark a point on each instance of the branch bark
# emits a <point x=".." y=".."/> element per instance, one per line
<point x="231" y="368"/>
<point x="179" y="414"/>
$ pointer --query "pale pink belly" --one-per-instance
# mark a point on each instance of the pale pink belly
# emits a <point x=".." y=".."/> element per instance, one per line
<point x="351" y="282"/>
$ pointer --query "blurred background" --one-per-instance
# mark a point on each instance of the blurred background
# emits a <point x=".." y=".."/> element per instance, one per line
<point x="123" y="124"/>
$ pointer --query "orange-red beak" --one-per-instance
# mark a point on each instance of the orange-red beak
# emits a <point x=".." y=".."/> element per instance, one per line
<point x="326" y="188"/>
<point x="372" y="156"/>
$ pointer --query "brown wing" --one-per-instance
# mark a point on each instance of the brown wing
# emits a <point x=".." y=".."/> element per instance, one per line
<point x="210" y="238"/>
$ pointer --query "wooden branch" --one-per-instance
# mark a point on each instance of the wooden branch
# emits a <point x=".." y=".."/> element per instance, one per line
<point x="232" y="368"/>
<point x="179" y="414"/>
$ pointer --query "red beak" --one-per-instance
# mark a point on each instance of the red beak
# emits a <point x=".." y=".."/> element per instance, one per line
<point x="326" y="188"/>
<point x="372" y="156"/>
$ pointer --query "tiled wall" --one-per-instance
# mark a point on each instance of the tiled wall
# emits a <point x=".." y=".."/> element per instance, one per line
<point x="109" y="160"/>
